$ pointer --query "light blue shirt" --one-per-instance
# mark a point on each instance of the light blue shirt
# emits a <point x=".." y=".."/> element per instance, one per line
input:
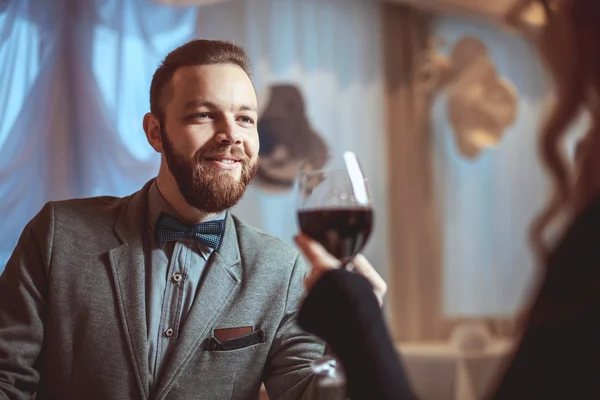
<point x="173" y="274"/>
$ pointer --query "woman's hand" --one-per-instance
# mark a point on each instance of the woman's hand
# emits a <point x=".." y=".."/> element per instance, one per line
<point x="321" y="262"/>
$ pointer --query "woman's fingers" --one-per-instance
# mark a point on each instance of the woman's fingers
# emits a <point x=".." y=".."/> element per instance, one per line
<point x="322" y="261"/>
<point x="319" y="259"/>
<point x="315" y="253"/>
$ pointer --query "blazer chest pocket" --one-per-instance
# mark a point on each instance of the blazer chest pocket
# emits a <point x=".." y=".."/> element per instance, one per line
<point x="236" y="343"/>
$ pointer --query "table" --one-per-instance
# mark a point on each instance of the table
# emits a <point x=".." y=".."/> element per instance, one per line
<point x="439" y="371"/>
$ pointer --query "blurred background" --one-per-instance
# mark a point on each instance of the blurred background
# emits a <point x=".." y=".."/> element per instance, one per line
<point x="440" y="99"/>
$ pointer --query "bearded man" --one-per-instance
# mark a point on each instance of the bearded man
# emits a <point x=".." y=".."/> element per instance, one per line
<point x="163" y="294"/>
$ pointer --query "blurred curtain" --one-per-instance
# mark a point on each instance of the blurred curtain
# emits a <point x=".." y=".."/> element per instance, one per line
<point x="33" y="142"/>
<point x="75" y="76"/>
<point x="117" y="45"/>
<point x="488" y="203"/>
<point x="84" y="75"/>
<point x="415" y="278"/>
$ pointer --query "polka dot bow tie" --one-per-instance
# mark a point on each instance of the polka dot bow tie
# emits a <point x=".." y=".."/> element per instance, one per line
<point x="170" y="229"/>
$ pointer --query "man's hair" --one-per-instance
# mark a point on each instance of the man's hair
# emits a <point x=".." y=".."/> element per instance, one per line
<point x="195" y="52"/>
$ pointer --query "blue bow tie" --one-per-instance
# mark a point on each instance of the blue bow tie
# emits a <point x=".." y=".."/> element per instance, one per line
<point x="168" y="229"/>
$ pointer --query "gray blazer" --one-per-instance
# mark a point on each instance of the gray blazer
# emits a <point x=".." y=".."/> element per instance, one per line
<point x="73" y="323"/>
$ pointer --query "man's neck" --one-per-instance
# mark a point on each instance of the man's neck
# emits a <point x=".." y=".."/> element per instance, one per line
<point x="170" y="192"/>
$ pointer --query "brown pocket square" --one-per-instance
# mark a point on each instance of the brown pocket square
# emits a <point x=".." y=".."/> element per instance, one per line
<point x="228" y="333"/>
<point x="235" y="343"/>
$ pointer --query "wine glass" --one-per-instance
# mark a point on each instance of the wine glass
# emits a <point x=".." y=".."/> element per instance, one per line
<point x="335" y="208"/>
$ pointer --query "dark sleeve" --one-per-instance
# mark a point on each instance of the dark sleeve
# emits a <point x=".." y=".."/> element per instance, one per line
<point x="342" y="309"/>
<point x="559" y="353"/>
<point x="23" y="296"/>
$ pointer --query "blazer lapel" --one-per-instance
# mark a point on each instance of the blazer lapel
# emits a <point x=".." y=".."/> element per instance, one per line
<point x="127" y="264"/>
<point x="221" y="277"/>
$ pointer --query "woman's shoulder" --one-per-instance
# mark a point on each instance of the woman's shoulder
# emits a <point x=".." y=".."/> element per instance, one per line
<point x="570" y="286"/>
<point x="582" y="238"/>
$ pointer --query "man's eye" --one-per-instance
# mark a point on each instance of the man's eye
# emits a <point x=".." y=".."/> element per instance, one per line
<point x="203" y="115"/>
<point x="247" y="120"/>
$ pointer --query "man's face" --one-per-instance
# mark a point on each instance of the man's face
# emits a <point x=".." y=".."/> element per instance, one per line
<point x="209" y="134"/>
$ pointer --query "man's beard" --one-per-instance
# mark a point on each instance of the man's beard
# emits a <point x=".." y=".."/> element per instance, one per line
<point x="203" y="185"/>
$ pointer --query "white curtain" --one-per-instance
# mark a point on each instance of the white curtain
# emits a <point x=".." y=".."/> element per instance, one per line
<point x="117" y="47"/>
<point x="32" y="168"/>
<point x="80" y="72"/>
<point x="488" y="204"/>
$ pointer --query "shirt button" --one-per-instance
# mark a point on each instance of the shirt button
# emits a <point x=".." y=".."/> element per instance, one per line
<point x="169" y="332"/>
<point x="176" y="277"/>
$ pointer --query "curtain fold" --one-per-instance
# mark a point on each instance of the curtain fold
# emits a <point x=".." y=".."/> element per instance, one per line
<point x="30" y="51"/>
<point x="115" y="48"/>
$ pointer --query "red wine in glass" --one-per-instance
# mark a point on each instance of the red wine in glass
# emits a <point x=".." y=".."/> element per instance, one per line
<point x="342" y="231"/>
<point x="334" y="208"/>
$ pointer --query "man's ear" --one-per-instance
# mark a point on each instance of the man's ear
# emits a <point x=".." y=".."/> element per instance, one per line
<point x="153" y="132"/>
